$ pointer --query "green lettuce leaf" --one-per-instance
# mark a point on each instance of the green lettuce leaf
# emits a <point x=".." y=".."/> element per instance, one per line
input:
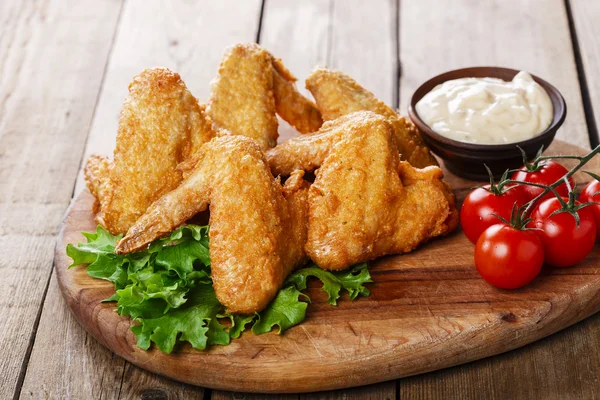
<point x="167" y="290"/>
<point x="285" y="311"/>
<point x="352" y="280"/>
<point x="101" y="242"/>
<point x="196" y="322"/>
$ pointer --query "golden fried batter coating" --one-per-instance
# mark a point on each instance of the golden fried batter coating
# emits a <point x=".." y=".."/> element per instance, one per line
<point x="365" y="202"/>
<point x="97" y="178"/>
<point x="308" y="152"/>
<point x="242" y="100"/>
<point x="338" y="94"/>
<point x="295" y="192"/>
<point x="161" y="124"/>
<point x="201" y="131"/>
<point x="291" y="105"/>
<point x="257" y="228"/>
<point x="250" y="88"/>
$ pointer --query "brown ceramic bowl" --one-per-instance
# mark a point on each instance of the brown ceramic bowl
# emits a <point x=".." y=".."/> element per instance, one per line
<point x="468" y="159"/>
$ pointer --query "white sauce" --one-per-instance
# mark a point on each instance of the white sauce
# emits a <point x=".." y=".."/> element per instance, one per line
<point x="487" y="110"/>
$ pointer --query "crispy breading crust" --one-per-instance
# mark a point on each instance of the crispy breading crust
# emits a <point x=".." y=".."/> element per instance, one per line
<point x="201" y="130"/>
<point x="161" y="124"/>
<point x="337" y="94"/>
<point x="257" y="228"/>
<point x="97" y="179"/>
<point x="291" y="105"/>
<point x="242" y="100"/>
<point x="308" y="152"/>
<point x="250" y="88"/>
<point x="365" y="202"/>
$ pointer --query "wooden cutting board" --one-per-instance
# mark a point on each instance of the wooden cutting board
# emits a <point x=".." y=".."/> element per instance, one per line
<point x="428" y="310"/>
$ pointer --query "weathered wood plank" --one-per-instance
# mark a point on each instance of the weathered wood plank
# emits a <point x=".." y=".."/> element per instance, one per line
<point x="189" y="38"/>
<point x="381" y="391"/>
<point x="354" y="36"/>
<point x="531" y="34"/>
<point x="363" y="45"/>
<point x="586" y="14"/>
<point x="298" y="32"/>
<point x="562" y="366"/>
<point x="220" y="395"/>
<point x="52" y="58"/>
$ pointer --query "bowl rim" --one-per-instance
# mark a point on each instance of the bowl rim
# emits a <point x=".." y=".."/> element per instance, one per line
<point x="555" y="96"/>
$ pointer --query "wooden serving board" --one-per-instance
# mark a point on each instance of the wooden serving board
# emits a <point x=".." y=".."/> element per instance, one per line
<point x="428" y="310"/>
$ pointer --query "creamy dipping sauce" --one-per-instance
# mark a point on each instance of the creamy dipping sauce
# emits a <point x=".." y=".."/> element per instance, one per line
<point x="487" y="110"/>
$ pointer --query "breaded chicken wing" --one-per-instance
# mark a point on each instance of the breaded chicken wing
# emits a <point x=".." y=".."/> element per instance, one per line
<point x="337" y="94"/>
<point x="364" y="202"/>
<point x="257" y="228"/>
<point x="161" y="125"/>
<point x="97" y="177"/>
<point x="291" y="105"/>
<point x="250" y="88"/>
<point x="242" y="100"/>
<point x="201" y="131"/>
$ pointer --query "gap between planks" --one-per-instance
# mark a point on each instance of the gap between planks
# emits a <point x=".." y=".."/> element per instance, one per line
<point x="588" y="107"/>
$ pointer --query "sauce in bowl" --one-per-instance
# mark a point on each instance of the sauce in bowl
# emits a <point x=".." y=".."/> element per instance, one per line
<point x="487" y="110"/>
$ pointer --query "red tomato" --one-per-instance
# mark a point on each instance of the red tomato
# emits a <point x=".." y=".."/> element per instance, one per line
<point x="508" y="258"/>
<point x="550" y="172"/>
<point x="588" y="195"/>
<point x="565" y="244"/>
<point x="478" y="209"/>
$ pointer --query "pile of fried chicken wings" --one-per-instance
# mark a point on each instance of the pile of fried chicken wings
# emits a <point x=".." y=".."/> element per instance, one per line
<point x="377" y="189"/>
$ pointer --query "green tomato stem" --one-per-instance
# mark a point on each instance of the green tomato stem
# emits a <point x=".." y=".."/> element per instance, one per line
<point x="550" y="188"/>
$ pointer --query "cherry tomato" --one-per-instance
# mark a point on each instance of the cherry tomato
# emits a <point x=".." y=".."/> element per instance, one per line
<point x="508" y="258"/>
<point x="478" y="209"/>
<point x="565" y="244"/>
<point x="588" y="194"/>
<point x="550" y="172"/>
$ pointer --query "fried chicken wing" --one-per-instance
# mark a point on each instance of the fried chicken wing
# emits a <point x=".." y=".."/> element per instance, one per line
<point x="337" y="94"/>
<point x="242" y="100"/>
<point x="250" y="88"/>
<point x="257" y="228"/>
<point x="97" y="178"/>
<point x="364" y="202"/>
<point x="161" y="125"/>
<point x="291" y="105"/>
<point x="201" y="130"/>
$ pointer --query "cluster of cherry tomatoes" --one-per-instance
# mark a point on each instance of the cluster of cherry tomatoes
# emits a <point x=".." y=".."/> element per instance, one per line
<point x="515" y="229"/>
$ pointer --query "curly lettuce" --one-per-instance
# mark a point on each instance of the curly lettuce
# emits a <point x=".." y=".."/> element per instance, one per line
<point x="167" y="291"/>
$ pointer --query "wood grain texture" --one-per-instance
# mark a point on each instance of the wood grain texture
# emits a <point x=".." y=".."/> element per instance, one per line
<point x="354" y="36"/>
<point x="363" y="45"/>
<point x="586" y="14"/>
<point x="562" y="366"/>
<point x="532" y="35"/>
<point x="182" y="36"/>
<point x="188" y="37"/>
<point x="52" y="58"/>
<point x="428" y="310"/>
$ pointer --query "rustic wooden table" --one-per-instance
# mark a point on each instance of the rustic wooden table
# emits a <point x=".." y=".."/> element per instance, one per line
<point x="64" y="70"/>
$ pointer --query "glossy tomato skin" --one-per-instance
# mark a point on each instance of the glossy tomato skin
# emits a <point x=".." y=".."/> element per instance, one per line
<point x="479" y="207"/>
<point x="587" y="195"/>
<point x="550" y="172"/>
<point x="565" y="244"/>
<point x="508" y="258"/>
